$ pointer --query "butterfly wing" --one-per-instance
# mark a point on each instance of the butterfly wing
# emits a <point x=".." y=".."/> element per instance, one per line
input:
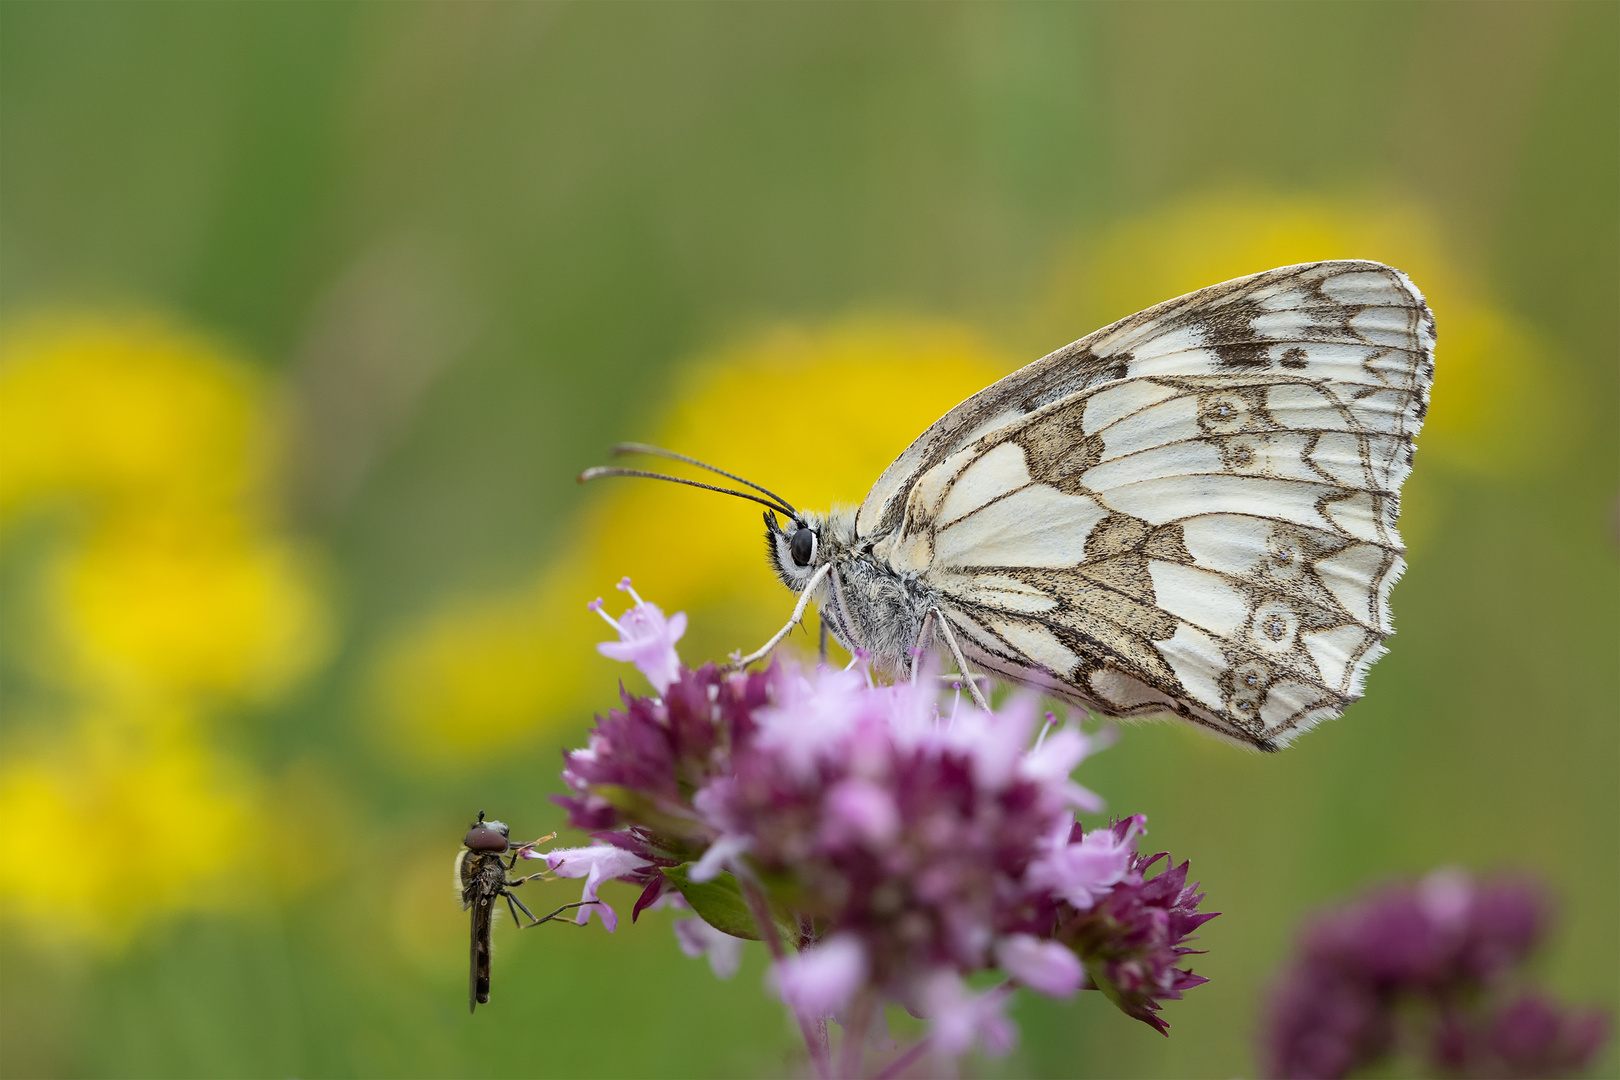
<point x="1196" y="515"/>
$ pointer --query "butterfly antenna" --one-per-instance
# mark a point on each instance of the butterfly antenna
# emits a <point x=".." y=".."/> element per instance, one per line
<point x="659" y="451"/>
<point x="599" y="471"/>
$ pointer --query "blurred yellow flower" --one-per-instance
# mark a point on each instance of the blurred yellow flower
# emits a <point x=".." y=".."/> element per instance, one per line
<point x="192" y="607"/>
<point x="150" y="820"/>
<point x="132" y="413"/>
<point x="166" y="591"/>
<point x="1497" y="382"/>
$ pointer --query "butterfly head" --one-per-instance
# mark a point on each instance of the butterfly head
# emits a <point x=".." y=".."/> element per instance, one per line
<point x="808" y="541"/>
<point x="795" y="551"/>
<point x="806" y="544"/>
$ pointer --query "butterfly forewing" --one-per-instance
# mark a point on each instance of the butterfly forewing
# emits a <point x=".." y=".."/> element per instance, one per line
<point x="1192" y="510"/>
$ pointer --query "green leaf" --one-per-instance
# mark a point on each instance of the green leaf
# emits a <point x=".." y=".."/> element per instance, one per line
<point x="1097" y="972"/>
<point x="721" y="904"/>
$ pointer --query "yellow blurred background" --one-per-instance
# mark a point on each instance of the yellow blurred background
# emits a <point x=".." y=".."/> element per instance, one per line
<point x="309" y="316"/>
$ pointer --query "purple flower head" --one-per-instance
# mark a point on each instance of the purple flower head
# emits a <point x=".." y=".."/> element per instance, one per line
<point x="1439" y="957"/>
<point x="1536" y="1036"/>
<point x="1325" y="1025"/>
<point x="1132" y="937"/>
<point x="644" y="763"/>
<point x="1503" y="923"/>
<point x="1529" y="1035"/>
<point x="646" y="638"/>
<point x="1443" y="933"/>
<point x="913" y="830"/>
<point x="886" y="842"/>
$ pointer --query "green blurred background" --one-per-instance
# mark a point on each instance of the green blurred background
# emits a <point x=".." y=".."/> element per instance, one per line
<point x="313" y="311"/>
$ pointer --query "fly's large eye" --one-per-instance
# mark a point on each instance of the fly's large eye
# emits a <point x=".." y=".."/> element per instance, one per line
<point x="802" y="547"/>
<point x="484" y="838"/>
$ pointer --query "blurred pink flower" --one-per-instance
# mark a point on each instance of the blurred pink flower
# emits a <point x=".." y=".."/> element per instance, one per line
<point x="697" y="938"/>
<point x="821" y="980"/>
<point x="1046" y="967"/>
<point x="958" y="1017"/>
<point x="1084" y="871"/>
<point x="863" y="811"/>
<point x="722" y="851"/>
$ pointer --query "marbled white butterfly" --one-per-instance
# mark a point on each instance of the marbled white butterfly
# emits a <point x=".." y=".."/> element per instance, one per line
<point x="1191" y="511"/>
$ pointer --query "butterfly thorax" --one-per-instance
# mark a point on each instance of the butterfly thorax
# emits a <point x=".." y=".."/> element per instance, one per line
<point x="867" y="605"/>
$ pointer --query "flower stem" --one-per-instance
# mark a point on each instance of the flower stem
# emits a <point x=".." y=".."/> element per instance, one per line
<point x="815" y="1033"/>
<point x="905" y="1060"/>
<point x="853" y="1052"/>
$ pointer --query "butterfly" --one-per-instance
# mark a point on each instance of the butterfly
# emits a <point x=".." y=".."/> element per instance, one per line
<point x="1190" y="512"/>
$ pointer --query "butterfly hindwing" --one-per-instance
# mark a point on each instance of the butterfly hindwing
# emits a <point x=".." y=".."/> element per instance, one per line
<point x="1191" y="511"/>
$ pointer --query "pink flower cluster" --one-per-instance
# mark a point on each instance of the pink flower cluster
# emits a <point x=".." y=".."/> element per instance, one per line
<point x="884" y="843"/>
<point x="1432" y="967"/>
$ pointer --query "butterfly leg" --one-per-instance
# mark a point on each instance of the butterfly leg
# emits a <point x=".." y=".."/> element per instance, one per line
<point x="961" y="664"/>
<point x="921" y="643"/>
<point x="798" y="615"/>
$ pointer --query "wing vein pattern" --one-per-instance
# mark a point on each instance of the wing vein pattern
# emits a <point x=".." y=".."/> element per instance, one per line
<point x="1192" y="511"/>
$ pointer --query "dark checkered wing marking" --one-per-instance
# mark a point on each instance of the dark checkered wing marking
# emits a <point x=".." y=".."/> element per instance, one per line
<point x="1211" y="534"/>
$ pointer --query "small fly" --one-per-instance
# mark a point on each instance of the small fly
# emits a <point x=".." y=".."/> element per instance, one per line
<point x="482" y="866"/>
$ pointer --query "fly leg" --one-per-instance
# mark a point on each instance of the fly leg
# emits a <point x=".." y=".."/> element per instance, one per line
<point x="513" y="883"/>
<point x="554" y="914"/>
<point x="511" y="900"/>
<point x="514" y="903"/>
<point x="823" y="624"/>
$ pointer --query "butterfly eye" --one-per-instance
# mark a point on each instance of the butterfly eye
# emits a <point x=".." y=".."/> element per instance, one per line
<point x="802" y="547"/>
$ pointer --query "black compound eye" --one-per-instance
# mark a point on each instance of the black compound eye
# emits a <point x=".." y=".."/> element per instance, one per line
<point x="802" y="547"/>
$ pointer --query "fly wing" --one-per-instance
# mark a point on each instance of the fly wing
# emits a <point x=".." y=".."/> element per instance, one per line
<point x="1213" y="534"/>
